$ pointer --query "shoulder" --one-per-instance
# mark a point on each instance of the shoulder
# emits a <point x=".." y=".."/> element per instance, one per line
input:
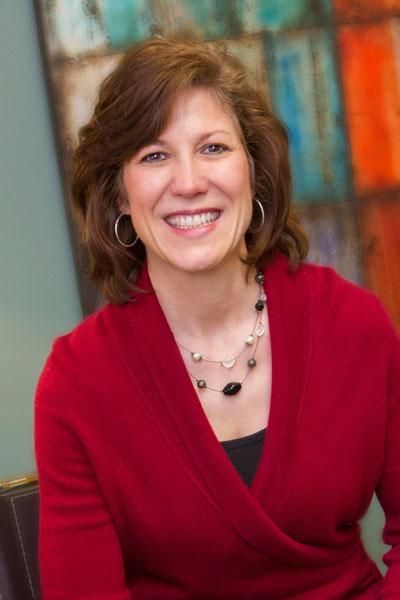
<point x="346" y="309"/>
<point x="85" y="338"/>
<point x="80" y="356"/>
<point x="336" y="303"/>
<point x="335" y="291"/>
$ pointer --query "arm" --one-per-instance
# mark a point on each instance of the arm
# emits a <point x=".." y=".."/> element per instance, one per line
<point x="388" y="490"/>
<point x="80" y="554"/>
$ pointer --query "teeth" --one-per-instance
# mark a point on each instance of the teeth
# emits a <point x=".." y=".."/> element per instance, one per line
<point x="193" y="221"/>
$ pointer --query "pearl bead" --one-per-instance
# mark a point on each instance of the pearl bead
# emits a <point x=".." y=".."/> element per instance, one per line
<point x="196" y="356"/>
<point x="250" y="340"/>
<point x="251" y="363"/>
<point x="201" y="384"/>
<point x="228" y="362"/>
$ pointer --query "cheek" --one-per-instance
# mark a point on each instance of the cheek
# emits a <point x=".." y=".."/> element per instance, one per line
<point x="144" y="187"/>
<point x="240" y="181"/>
<point x="135" y="190"/>
<point x="235" y="177"/>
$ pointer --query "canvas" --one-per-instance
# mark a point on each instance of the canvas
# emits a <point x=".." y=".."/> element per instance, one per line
<point x="331" y="70"/>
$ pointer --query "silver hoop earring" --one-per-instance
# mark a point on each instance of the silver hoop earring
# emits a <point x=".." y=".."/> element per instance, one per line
<point x="117" y="234"/>
<point x="261" y="225"/>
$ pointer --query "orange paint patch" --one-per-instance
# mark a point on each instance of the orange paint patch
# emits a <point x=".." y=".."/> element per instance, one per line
<point x="380" y="225"/>
<point x="370" y="67"/>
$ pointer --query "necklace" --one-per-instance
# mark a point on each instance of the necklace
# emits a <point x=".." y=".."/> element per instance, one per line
<point x="233" y="387"/>
<point x="229" y="361"/>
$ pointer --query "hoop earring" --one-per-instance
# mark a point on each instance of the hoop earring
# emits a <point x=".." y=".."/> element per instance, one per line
<point x="117" y="234"/>
<point x="261" y="208"/>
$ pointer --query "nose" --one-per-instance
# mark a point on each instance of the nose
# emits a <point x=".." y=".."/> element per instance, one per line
<point x="188" y="178"/>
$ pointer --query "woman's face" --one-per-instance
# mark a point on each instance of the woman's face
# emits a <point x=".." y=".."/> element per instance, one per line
<point x="189" y="192"/>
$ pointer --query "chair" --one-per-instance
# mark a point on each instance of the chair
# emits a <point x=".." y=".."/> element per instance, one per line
<point x="19" y="512"/>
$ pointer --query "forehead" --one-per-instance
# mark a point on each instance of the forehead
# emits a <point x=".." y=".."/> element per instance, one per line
<point x="202" y="105"/>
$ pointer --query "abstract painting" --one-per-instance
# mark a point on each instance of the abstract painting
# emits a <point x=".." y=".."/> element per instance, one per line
<point x="331" y="69"/>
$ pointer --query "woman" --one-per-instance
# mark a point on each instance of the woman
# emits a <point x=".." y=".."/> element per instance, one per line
<point x="218" y="429"/>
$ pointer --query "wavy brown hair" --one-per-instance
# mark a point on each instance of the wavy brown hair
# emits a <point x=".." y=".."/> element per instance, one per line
<point x="134" y="105"/>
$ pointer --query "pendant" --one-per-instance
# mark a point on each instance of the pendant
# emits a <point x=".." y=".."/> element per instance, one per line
<point x="228" y="362"/>
<point x="260" y="330"/>
<point x="232" y="388"/>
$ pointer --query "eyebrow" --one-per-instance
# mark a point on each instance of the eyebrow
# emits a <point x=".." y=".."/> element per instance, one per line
<point x="202" y="138"/>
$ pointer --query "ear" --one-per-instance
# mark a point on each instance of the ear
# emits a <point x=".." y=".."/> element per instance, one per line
<point x="123" y="202"/>
<point x="252" y="175"/>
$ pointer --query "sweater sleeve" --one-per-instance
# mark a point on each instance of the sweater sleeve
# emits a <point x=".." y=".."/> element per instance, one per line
<point x="388" y="489"/>
<point x="79" y="551"/>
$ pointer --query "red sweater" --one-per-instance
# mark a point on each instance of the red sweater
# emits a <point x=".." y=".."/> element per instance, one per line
<point x="138" y="498"/>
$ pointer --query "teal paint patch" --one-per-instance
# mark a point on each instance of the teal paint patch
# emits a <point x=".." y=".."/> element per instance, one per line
<point x="126" y="21"/>
<point x="306" y="97"/>
<point x="274" y="15"/>
<point x="207" y="19"/>
<point x="214" y="18"/>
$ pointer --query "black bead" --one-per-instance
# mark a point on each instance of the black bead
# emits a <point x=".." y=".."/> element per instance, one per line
<point x="232" y="388"/>
<point x="201" y="384"/>
<point x="259" y="278"/>
<point x="251" y="363"/>
<point x="259" y="305"/>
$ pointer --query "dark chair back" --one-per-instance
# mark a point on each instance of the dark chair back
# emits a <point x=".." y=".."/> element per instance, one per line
<point x="19" y="520"/>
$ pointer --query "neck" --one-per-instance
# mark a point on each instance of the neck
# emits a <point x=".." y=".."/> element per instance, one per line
<point x="198" y="304"/>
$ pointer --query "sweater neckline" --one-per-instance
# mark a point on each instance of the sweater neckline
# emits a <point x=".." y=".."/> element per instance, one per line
<point x="166" y="388"/>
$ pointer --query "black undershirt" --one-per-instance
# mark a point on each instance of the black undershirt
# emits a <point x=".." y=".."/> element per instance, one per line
<point x="244" y="453"/>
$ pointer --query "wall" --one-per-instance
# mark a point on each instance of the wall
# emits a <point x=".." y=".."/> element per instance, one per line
<point x="38" y="297"/>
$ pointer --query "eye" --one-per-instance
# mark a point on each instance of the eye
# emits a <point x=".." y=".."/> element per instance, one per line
<point x="214" y="149"/>
<point x="153" y="157"/>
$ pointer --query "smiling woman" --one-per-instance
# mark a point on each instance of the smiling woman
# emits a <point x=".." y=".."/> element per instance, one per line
<point x="138" y="105"/>
<point x="184" y="433"/>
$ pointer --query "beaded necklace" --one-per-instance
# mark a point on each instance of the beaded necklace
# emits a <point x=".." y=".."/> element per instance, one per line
<point x="233" y="387"/>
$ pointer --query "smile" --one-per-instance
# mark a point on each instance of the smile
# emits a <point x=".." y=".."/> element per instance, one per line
<point x="193" y="221"/>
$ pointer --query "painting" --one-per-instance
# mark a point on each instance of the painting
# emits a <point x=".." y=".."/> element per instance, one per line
<point x="330" y="69"/>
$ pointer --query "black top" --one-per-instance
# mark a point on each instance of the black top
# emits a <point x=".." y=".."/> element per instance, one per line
<point x="244" y="453"/>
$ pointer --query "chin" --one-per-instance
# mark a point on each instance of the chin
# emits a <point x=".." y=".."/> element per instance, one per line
<point x="200" y="264"/>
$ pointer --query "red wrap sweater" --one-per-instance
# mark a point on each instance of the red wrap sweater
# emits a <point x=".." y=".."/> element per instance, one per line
<point x="138" y="498"/>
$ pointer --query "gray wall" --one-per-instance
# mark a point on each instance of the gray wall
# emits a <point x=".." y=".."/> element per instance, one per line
<point x="38" y="290"/>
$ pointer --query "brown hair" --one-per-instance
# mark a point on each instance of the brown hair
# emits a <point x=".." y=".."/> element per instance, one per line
<point x="134" y="105"/>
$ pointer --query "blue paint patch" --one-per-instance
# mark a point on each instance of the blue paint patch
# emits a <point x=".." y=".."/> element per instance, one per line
<point x="306" y="97"/>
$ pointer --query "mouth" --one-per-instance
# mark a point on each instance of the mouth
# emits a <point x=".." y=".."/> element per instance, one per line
<point x="198" y="220"/>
